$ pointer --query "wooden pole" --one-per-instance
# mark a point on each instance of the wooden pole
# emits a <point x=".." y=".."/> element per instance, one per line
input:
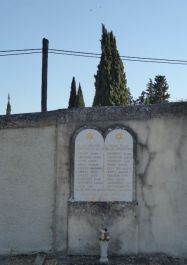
<point x="44" y="75"/>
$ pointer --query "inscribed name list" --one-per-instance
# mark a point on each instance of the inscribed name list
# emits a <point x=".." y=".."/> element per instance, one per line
<point x="103" y="170"/>
<point x="118" y="166"/>
<point x="88" y="170"/>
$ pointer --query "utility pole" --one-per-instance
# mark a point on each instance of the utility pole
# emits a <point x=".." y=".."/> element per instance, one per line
<point x="44" y="74"/>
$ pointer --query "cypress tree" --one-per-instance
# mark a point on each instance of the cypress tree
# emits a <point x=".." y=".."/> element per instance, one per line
<point x="150" y="95"/>
<point x="130" y="97"/>
<point x="8" y="108"/>
<point x="110" y="80"/>
<point x="79" y="98"/>
<point x="72" y="97"/>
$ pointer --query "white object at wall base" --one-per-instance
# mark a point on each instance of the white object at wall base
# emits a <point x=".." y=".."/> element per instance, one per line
<point x="103" y="251"/>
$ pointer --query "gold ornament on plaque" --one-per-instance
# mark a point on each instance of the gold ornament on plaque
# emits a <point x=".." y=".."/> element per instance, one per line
<point x="89" y="136"/>
<point x="119" y="136"/>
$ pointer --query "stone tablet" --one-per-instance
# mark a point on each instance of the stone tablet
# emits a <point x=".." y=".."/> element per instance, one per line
<point x="118" y="166"/>
<point x="88" y="169"/>
<point x="103" y="170"/>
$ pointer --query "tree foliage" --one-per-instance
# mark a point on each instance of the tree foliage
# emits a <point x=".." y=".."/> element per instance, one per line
<point x="110" y="80"/>
<point x="142" y="98"/>
<point x="150" y="97"/>
<point x="130" y="97"/>
<point x="8" y="108"/>
<point x="79" y="102"/>
<point x="156" y="91"/>
<point x="72" y="98"/>
<point x="160" y="88"/>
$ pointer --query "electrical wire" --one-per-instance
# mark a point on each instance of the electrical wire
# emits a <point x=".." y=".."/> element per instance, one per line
<point x="122" y="56"/>
<point x="17" y="52"/>
<point x="152" y="61"/>
<point x="20" y="50"/>
<point x="21" y="53"/>
<point x="69" y="51"/>
<point x="75" y="54"/>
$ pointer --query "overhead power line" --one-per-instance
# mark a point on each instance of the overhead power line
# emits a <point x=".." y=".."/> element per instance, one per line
<point x="20" y="53"/>
<point x="4" y="53"/>
<point x="20" y="50"/>
<point x="78" y="52"/>
<point x="75" y="54"/>
<point x="123" y="58"/>
<point x="17" y="52"/>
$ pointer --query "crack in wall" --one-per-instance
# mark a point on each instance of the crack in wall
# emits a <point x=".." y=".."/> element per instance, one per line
<point x="145" y="186"/>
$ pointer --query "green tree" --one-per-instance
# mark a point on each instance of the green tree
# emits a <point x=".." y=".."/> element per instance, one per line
<point x="8" y="108"/>
<point x="141" y="99"/>
<point x="150" y="94"/>
<point x="130" y="97"/>
<point x="79" y="102"/>
<point x="160" y="88"/>
<point x="156" y="92"/>
<point x="110" y="80"/>
<point x="72" y="97"/>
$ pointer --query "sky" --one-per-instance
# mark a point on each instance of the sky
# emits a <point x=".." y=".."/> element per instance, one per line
<point x="145" y="28"/>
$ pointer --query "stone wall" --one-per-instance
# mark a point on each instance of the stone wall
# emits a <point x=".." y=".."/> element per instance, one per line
<point x="36" y="175"/>
<point x="27" y="176"/>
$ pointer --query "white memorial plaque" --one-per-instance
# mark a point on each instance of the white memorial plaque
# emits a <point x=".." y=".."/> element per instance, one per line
<point x="88" y="170"/>
<point x="118" y="166"/>
<point x="103" y="170"/>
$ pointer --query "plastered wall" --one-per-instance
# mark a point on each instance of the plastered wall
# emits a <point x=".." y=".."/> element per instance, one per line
<point x="26" y="189"/>
<point x="36" y="173"/>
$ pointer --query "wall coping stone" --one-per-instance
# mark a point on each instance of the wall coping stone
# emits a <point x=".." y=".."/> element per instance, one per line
<point x="94" y="114"/>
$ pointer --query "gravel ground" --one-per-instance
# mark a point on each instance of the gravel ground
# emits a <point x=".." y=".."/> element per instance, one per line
<point x="85" y="260"/>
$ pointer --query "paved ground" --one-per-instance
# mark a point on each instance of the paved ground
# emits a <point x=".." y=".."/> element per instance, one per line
<point x="85" y="260"/>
